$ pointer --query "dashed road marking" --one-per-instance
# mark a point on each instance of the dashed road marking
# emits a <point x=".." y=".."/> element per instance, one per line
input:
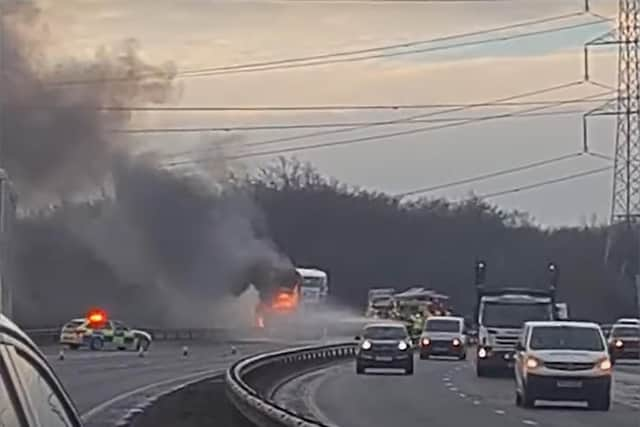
<point x="529" y="422"/>
<point x="462" y="395"/>
<point x="499" y="411"/>
<point x="446" y="379"/>
<point x="448" y="384"/>
<point x="476" y="402"/>
<point x="454" y="389"/>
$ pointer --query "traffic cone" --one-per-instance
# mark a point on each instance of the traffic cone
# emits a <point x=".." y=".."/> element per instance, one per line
<point x="61" y="354"/>
<point x="185" y="351"/>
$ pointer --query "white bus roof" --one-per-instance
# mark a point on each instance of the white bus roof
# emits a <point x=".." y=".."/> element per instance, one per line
<point x="311" y="272"/>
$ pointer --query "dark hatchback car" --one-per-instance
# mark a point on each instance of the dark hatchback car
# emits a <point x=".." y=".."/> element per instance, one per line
<point x="30" y="393"/>
<point x="384" y="346"/>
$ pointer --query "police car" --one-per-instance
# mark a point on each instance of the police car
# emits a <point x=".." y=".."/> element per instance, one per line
<point x="97" y="332"/>
<point x="563" y="360"/>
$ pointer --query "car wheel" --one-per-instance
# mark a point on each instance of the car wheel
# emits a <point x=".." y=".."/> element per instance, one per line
<point x="409" y="370"/>
<point x="482" y="371"/>
<point x="601" y="404"/>
<point x="424" y="356"/>
<point x="73" y="346"/>
<point x="528" y="399"/>
<point x="360" y="369"/>
<point x="518" y="398"/>
<point x="463" y="356"/>
<point x="96" y="344"/>
<point x="143" y="344"/>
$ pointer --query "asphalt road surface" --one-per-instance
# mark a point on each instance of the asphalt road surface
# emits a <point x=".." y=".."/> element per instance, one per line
<point x="104" y="385"/>
<point x="444" y="393"/>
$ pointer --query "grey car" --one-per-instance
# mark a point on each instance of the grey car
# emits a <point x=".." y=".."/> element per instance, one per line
<point x="384" y="345"/>
<point x="30" y="393"/>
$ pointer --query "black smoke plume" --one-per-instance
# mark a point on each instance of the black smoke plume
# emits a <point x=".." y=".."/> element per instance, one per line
<point x="100" y="225"/>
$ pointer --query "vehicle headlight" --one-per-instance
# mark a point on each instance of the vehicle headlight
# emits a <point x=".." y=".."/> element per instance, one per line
<point x="426" y="342"/>
<point x="619" y="343"/>
<point x="532" y="362"/>
<point x="604" y="364"/>
<point x="366" y="345"/>
<point x="456" y="342"/>
<point x="482" y="353"/>
<point x="402" y="346"/>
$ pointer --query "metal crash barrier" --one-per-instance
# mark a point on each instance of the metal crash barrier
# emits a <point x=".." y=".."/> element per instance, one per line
<point x="249" y="380"/>
<point x="47" y="336"/>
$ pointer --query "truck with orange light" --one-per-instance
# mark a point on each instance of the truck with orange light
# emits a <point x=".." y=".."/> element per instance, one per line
<point x="97" y="332"/>
<point x="500" y="314"/>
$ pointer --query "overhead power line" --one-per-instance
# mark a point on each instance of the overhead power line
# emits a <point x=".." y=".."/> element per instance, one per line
<point x="373" y="137"/>
<point x="279" y="127"/>
<point x="455" y="109"/>
<point x="546" y="182"/>
<point x="490" y="175"/>
<point x="404" y="45"/>
<point x="335" y="55"/>
<point x="289" y="108"/>
<point x="402" y="53"/>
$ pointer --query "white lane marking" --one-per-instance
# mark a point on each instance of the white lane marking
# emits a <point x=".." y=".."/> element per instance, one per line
<point x="530" y="422"/>
<point x="312" y="388"/>
<point x="454" y="389"/>
<point x="462" y="395"/>
<point x="499" y="411"/>
<point x="476" y="402"/>
<point x="448" y="384"/>
<point x="104" y="405"/>
<point x="446" y="379"/>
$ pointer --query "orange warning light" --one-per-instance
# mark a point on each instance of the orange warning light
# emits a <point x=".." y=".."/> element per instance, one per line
<point x="96" y="316"/>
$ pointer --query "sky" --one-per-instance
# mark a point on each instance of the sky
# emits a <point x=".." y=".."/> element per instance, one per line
<point x="196" y="34"/>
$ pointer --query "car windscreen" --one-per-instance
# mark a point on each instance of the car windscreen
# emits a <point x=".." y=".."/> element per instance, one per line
<point x="565" y="338"/>
<point x="385" y="333"/>
<point x="73" y="324"/>
<point x="441" y="325"/>
<point x="626" y="332"/>
<point x="381" y="302"/>
<point x="312" y="282"/>
<point x="512" y="315"/>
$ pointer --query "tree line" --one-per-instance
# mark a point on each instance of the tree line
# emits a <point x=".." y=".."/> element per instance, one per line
<point x="364" y="239"/>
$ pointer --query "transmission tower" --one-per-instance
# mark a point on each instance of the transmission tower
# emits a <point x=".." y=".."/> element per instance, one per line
<point x="623" y="243"/>
<point x="625" y="204"/>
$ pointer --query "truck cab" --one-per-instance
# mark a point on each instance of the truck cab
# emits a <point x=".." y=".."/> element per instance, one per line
<point x="500" y="316"/>
<point x="314" y="287"/>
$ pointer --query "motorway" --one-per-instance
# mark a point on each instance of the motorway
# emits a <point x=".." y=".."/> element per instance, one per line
<point x="443" y="393"/>
<point x="104" y="385"/>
